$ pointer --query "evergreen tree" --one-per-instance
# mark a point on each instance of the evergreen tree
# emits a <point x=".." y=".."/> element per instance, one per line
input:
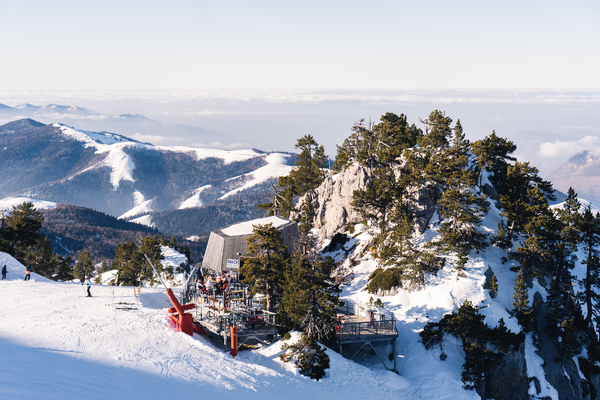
<point x="460" y="207"/>
<point x="22" y="230"/>
<point x="103" y="267"/>
<point x="521" y="298"/>
<point x="493" y="286"/>
<point x="393" y="134"/>
<point x="503" y="236"/>
<point x="519" y="200"/>
<point x="310" y="298"/>
<point x="127" y="263"/>
<point x="542" y="235"/>
<point x="264" y="266"/>
<point x="590" y="230"/>
<point x="493" y="155"/>
<point x="308" y="356"/>
<point x="307" y="174"/>
<point x="64" y="269"/>
<point x="84" y="266"/>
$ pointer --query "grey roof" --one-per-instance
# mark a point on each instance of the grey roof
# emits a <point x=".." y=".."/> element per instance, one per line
<point x="230" y="242"/>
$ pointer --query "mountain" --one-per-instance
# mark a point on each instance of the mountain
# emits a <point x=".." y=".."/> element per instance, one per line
<point x="123" y="177"/>
<point x="73" y="229"/>
<point x="128" y="124"/>
<point x="582" y="173"/>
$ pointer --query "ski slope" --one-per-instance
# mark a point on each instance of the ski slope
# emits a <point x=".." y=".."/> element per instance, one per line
<point x="57" y="344"/>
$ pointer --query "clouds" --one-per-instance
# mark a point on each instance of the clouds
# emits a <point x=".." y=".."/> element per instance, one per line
<point x="562" y="149"/>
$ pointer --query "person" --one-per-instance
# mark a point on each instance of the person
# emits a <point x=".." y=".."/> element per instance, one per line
<point x="27" y="273"/>
<point x="209" y="285"/>
<point x="4" y="272"/>
<point x="88" y="283"/>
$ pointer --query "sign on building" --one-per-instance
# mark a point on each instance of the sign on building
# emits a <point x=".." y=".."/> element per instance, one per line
<point x="233" y="264"/>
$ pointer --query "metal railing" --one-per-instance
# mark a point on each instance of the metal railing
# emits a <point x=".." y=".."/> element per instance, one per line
<point x="374" y="329"/>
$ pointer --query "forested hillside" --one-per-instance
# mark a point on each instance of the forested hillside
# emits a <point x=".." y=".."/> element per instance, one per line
<point x="73" y="229"/>
<point x="422" y="207"/>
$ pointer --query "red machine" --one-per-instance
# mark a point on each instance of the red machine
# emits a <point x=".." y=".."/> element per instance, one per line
<point x="180" y="320"/>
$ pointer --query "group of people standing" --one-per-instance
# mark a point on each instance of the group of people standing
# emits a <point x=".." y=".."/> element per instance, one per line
<point x="212" y="284"/>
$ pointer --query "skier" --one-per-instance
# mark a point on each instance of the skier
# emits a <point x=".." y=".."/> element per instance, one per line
<point x="27" y="273"/>
<point x="88" y="283"/>
<point x="4" y="272"/>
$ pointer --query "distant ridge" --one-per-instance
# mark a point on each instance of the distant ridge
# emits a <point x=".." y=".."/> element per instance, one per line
<point x="582" y="173"/>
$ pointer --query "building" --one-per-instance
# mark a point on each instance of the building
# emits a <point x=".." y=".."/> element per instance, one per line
<point x="227" y="245"/>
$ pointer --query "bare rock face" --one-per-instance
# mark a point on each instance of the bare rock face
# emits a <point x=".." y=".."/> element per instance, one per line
<point x="421" y="206"/>
<point x="332" y="200"/>
<point x="508" y="379"/>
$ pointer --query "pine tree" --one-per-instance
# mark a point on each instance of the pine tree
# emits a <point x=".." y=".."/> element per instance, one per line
<point x="493" y="286"/>
<point x="493" y="154"/>
<point x="103" y="267"/>
<point x="521" y="298"/>
<point x="460" y="206"/>
<point x="308" y="356"/>
<point x="84" y="266"/>
<point x="310" y="298"/>
<point x="590" y="230"/>
<point x="308" y="173"/>
<point x="265" y="264"/>
<point x="542" y="235"/>
<point x="503" y="236"/>
<point x="519" y="200"/>
<point x="22" y="230"/>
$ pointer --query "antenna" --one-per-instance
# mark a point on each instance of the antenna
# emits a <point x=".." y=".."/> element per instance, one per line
<point x="156" y="272"/>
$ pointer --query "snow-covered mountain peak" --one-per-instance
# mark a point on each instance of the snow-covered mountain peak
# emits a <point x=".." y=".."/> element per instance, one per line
<point x="93" y="138"/>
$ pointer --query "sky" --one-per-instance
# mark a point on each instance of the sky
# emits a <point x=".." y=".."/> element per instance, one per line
<point x="158" y="45"/>
<point x="264" y="73"/>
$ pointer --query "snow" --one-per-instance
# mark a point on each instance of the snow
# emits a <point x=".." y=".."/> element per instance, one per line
<point x="228" y="156"/>
<point x="142" y="208"/>
<point x="114" y="145"/>
<point x="246" y="227"/>
<point x="8" y="203"/>
<point x="58" y="344"/>
<point x="535" y="369"/>
<point x="276" y="167"/>
<point x="144" y="220"/>
<point x="138" y="198"/>
<point x="76" y="347"/>
<point x="194" y="201"/>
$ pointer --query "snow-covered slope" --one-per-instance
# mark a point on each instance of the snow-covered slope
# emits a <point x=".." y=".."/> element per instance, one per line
<point x="113" y="146"/>
<point x="10" y="202"/>
<point x="57" y="344"/>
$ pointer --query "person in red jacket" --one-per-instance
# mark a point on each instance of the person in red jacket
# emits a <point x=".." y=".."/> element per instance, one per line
<point x="27" y="273"/>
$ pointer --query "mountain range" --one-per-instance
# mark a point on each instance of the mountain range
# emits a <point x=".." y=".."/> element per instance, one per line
<point x="127" y="124"/>
<point x="133" y="180"/>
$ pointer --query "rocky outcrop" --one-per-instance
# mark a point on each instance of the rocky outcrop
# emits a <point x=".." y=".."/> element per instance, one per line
<point x="562" y="374"/>
<point x="421" y="205"/>
<point x="332" y="202"/>
<point x="507" y="380"/>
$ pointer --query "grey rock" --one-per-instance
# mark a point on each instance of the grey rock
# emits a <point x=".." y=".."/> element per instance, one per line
<point x="507" y="380"/>
<point x="332" y="202"/>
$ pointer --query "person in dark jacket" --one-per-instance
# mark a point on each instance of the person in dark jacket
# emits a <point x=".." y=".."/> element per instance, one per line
<point x="4" y="271"/>
<point x="27" y="273"/>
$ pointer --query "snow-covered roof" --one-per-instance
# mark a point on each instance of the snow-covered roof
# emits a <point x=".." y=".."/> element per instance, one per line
<point x="246" y="227"/>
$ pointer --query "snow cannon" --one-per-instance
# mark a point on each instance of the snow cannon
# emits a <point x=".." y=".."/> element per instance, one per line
<point x="180" y="320"/>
